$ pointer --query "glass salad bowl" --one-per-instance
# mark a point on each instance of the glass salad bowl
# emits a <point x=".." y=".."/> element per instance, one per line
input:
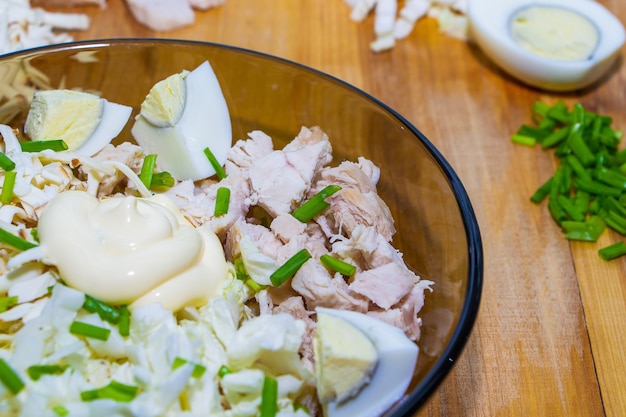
<point x="437" y="232"/>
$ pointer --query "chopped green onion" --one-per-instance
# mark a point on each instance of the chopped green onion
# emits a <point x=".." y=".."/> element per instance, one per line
<point x="315" y="205"/>
<point x="597" y="188"/>
<point x="34" y="232"/>
<point x="162" y="179"/>
<point x="15" y="241"/>
<point x="610" y="177"/>
<point x="338" y="265"/>
<point x="242" y="275"/>
<point x="221" y="201"/>
<point x="56" y="145"/>
<point x="577" y="167"/>
<point x="614" y="222"/>
<point x="124" y="324"/>
<point x="269" y="397"/>
<point x="555" y="138"/>
<point x="224" y="370"/>
<point x="6" y="163"/>
<point x="613" y="251"/>
<point x="587" y="192"/>
<point x="7" y="187"/>
<point x="147" y="169"/>
<point x="10" y="378"/>
<point x="221" y="174"/>
<point x="115" y="391"/>
<point x="198" y="369"/>
<point x="289" y="268"/>
<point x="60" y="410"/>
<point x="542" y="192"/>
<point x="588" y="231"/>
<point x="37" y="371"/>
<point x="105" y="311"/>
<point x="523" y="140"/>
<point x="7" y="302"/>
<point x="580" y="149"/>
<point x="570" y="208"/>
<point x="80" y="328"/>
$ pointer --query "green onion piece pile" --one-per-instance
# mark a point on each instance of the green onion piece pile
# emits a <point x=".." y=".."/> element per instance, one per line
<point x="587" y="191"/>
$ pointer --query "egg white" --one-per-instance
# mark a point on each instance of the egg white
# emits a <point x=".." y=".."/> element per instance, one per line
<point x="397" y="358"/>
<point x="114" y="117"/>
<point x="204" y="123"/>
<point x="489" y="27"/>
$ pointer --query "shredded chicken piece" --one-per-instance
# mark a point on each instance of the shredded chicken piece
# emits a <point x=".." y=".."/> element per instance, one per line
<point x="391" y="24"/>
<point x="166" y="15"/>
<point x="23" y="26"/>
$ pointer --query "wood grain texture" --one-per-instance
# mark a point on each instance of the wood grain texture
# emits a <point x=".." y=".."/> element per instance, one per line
<point x="550" y="336"/>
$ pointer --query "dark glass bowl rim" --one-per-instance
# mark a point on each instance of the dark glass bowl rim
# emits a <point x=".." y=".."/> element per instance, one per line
<point x="469" y="312"/>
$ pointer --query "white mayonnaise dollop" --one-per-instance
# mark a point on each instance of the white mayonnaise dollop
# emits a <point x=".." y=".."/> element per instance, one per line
<point x="131" y="250"/>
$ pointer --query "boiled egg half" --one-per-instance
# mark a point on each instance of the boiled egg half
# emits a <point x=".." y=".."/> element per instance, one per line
<point x="362" y="365"/>
<point x="556" y="45"/>
<point x="84" y="121"/>
<point x="182" y="116"/>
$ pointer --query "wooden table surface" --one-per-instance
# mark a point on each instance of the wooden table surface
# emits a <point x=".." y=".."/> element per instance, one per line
<point x="550" y="336"/>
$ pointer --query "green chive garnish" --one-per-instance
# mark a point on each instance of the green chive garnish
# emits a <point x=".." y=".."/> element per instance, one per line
<point x="115" y="391"/>
<point x="15" y="241"/>
<point x="221" y="201"/>
<point x="6" y="163"/>
<point x="56" y="145"/>
<point x="289" y="268"/>
<point x="315" y="205"/>
<point x="7" y="302"/>
<point x="338" y="265"/>
<point x="523" y="140"/>
<point x="162" y="179"/>
<point x="198" y="369"/>
<point x="60" y="410"/>
<point x="221" y="174"/>
<point x="37" y="371"/>
<point x="80" y="328"/>
<point x="224" y="370"/>
<point x="269" y="397"/>
<point x="124" y="324"/>
<point x="147" y="170"/>
<point x="10" y="378"/>
<point x="105" y="311"/>
<point x="613" y="251"/>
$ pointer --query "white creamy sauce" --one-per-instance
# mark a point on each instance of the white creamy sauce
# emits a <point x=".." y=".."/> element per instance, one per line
<point x="131" y="250"/>
<point x="555" y="33"/>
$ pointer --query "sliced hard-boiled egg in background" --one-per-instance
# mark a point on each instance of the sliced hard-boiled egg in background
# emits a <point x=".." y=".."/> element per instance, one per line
<point x="181" y="117"/>
<point x="84" y="121"/>
<point x="537" y="41"/>
<point x="377" y="381"/>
